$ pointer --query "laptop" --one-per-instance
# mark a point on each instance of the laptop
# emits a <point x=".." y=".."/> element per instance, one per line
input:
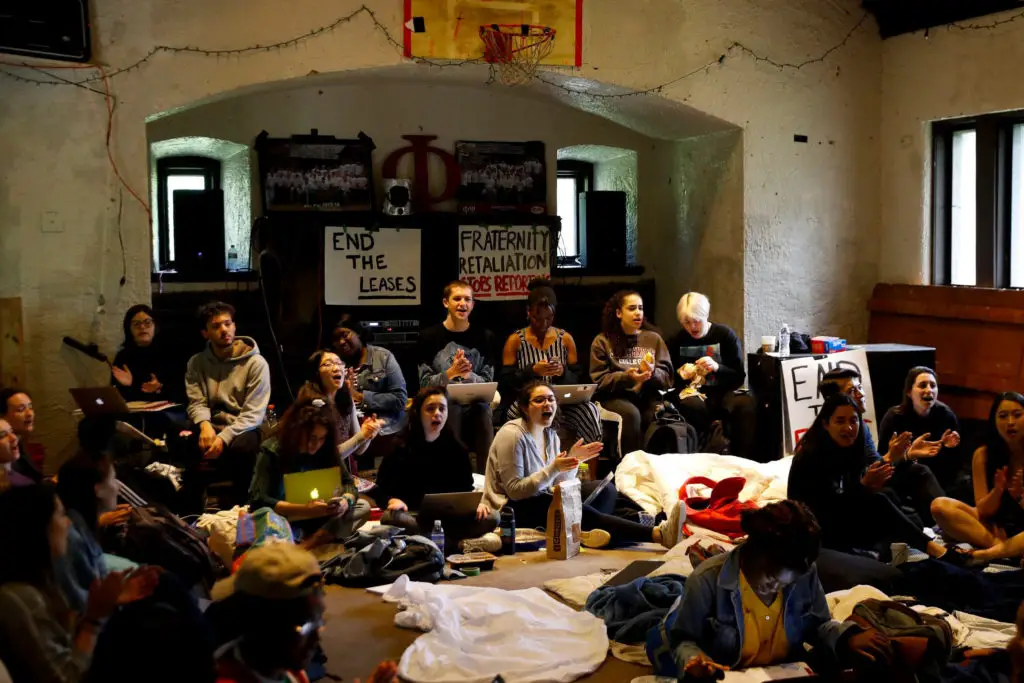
<point x="571" y="394"/>
<point x="466" y="392"/>
<point x="100" y="401"/>
<point x="447" y="505"/>
<point x="299" y="486"/>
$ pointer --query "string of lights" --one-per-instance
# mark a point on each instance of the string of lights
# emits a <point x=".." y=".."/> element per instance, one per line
<point x="53" y="79"/>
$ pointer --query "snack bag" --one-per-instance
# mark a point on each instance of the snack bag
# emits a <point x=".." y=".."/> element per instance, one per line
<point x="564" y="519"/>
<point x="647" y="363"/>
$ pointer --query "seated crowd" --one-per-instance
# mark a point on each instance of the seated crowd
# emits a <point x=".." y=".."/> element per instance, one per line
<point x="69" y="603"/>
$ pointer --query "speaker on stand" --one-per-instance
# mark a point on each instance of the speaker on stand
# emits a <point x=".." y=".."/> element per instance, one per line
<point x="602" y="213"/>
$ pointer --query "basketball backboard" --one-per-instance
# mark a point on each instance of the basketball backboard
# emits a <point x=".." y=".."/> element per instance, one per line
<point x="450" y="29"/>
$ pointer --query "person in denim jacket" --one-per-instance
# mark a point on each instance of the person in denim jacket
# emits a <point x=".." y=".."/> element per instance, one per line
<point x="374" y="376"/>
<point x="758" y="604"/>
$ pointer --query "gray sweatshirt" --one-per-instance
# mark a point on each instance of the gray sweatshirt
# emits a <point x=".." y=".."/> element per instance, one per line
<point x="516" y="467"/>
<point x="231" y="394"/>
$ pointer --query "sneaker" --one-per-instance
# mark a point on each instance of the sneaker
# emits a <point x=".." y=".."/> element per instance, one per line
<point x="595" y="538"/>
<point x="488" y="543"/>
<point x="672" y="528"/>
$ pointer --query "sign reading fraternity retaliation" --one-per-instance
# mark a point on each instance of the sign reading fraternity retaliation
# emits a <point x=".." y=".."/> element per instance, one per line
<point x="500" y="262"/>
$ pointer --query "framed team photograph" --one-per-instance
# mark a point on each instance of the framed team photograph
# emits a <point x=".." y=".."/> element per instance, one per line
<point x="315" y="173"/>
<point x="499" y="177"/>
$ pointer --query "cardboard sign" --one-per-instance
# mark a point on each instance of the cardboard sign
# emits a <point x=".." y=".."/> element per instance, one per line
<point x="500" y="262"/>
<point x="801" y="400"/>
<point x="371" y="268"/>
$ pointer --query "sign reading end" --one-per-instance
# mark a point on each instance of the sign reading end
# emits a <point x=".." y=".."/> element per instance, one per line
<point x="378" y="267"/>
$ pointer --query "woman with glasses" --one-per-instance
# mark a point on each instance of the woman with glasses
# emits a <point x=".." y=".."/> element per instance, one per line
<point x="145" y="369"/>
<point x="325" y="379"/>
<point x="526" y="461"/>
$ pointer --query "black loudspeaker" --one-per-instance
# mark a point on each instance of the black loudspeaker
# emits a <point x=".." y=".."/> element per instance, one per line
<point x="602" y="215"/>
<point x="199" y="232"/>
<point x="51" y="29"/>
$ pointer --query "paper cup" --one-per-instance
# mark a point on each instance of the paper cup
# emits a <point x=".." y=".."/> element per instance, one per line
<point x="768" y="343"/>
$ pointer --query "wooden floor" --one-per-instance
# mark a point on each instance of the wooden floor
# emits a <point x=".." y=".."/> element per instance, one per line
<point x="360" y="628"/>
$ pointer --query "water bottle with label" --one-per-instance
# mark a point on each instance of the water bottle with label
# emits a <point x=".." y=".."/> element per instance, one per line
<point x="784" y="335"/>
<point x="507" y="530"/>
<point x="232" y="259"/>
<point x="437" y="535"/>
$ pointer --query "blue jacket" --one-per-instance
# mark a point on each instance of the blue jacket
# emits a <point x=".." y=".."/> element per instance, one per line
<point x="708" y="618"/>
<point x="383" y="386"/>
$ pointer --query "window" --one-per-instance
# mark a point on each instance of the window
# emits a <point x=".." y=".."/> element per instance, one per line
<point x="978" y="201"/>
<point x="173" y="174"/>
<point x="574" y="177"/>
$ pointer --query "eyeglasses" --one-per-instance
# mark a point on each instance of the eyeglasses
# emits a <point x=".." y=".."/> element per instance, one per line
<point x="332" y="364"/>
<point x="142" y="324"/>
<point x="542" y="400"/>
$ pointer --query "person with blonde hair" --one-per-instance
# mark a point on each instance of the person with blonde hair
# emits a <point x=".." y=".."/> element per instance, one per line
<point x="710" y="355"/>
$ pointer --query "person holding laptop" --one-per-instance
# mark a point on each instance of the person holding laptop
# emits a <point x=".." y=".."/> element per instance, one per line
<point x="548" y="353"/>
<point x="431" y="461"/>
<point x="307" y="440"/>
<point x="525" y="462"/>
<point x="453" y="352"/>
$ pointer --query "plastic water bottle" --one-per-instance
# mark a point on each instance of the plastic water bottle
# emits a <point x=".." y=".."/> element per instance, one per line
<point x="507" y="529"/>
<point x="232" y="258"/>
<point x="437" y="535"/>
<point x="784" y="340"/>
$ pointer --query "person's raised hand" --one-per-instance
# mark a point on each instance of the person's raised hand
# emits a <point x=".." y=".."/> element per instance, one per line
<point x="922" y="448"/>
<point x="702" y="667"/>
<point x="139" y="584"/>
<point x="397" y="505"/>
<point x="371" y="427"/>
<point x="116" y="516"/>
<point x="582" y="452"/>
<point x="899" y="444"/>
<point x="708" y="363"/>
<point x="1000" y="478"/>
<point x="153" y="385"/>
<point x="104" y="595"/>
<point x="877" y="475"/>
<point x="950" y="439"/>
<point x="122" y="374"/>
<point x="564" y="463"/>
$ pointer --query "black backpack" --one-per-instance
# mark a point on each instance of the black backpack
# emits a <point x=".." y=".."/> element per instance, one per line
<point x="154" y="535"/>
<point x="670" y="432"/>
<point x="381" y="555"/>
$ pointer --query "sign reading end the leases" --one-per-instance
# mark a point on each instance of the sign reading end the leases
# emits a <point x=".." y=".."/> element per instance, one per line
<point x="365" y="267"/>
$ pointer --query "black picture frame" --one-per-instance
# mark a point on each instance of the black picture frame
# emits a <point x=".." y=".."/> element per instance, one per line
<point x="502" y="177"/>
<point x="315" y="173"/>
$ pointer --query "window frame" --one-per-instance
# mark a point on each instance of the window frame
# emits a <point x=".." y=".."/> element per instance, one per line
<point x="582" y="172"/>
<point x="179" y="165"/>
<point x="994" y="197"/>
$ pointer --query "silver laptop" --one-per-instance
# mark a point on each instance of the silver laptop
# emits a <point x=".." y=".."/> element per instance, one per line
<point x="571" y="394"/>
<point x="100" y="401"/>
<point x="472" y="392"/>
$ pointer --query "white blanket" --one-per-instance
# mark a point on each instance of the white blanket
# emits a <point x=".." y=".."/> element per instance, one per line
<point x="653" y="481"/>
<point x="479" y="633"/>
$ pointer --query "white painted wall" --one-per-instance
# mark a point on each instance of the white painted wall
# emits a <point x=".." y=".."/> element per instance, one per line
<point x="809" y="212"/>
<point x="949" y="74"/>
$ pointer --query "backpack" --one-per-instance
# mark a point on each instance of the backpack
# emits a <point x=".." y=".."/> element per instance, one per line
<point x="714" y="439"/>
<point x="922" y="643"/>
<point x="669" y="432"/>
<point x="153" y="535"/>
<point x="720" y="511"/>
<point x="381" y="555"/>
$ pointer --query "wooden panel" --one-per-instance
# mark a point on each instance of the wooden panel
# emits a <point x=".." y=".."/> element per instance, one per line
<point x="12" y="357"/>
<point x="978" y="335"/>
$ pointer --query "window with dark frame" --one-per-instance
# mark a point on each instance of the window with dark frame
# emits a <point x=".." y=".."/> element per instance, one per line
<point x="978" y="201"/>
<point x="574" y="177"/>
<point x="179" y="173"/>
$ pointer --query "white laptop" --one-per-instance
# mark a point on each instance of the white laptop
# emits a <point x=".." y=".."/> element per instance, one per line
<point x="571" y="394"/>
<point x="466" y="392"/>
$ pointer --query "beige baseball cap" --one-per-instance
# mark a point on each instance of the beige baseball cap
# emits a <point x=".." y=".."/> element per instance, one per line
<point x="277" y="571"/>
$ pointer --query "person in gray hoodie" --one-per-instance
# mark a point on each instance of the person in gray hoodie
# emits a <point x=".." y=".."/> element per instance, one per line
<point x="228" y="389"/>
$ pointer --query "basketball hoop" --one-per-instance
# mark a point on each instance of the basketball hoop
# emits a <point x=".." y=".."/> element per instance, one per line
<point x="515" y="50"/>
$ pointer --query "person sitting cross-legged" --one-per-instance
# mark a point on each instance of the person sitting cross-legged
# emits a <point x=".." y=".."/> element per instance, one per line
<point x="307" y="439"/>
<point x="525" y="462"/>
<point x="994" y="525"/>
<point x="758" y="604"/>
<point x="432" y="460"/>
<point x="843" y="486"/>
